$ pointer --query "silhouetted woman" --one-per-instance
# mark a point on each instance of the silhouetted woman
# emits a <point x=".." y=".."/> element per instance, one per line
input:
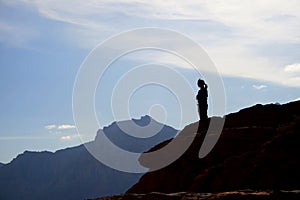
<point x="202" y="99"/>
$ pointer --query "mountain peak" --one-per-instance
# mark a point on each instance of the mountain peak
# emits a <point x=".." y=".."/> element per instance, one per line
<point x="137" y="135"/>
<point x="143" y="121"/>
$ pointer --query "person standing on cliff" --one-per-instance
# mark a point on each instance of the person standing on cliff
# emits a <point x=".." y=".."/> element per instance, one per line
<point x="202" y="100"/>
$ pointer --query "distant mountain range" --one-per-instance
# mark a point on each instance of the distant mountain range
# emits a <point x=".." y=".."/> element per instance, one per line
<point x="258" y="149"/>
<point x="1" y="164"/>
<point x="73" y="173"/>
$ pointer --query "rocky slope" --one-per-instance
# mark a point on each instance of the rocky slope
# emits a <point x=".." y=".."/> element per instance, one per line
<point x="258" y="149"/>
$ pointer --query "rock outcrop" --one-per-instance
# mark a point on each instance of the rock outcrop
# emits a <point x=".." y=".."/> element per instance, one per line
<point x="258" y="149"/>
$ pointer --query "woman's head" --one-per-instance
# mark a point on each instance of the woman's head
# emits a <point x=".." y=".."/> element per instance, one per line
<point x="201" y="83"/>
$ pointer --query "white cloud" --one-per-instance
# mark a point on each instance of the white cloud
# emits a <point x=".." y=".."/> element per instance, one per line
<point x="49" y="127"/>
<point x="292" y="68"/>
<point x="67" y="137"/>
<point x="259" y="87"/>
<point x="258" y="19"/>
<point x="59" y="127"/>
<point x="66" y="126"/>
<point x="248" y="24"/>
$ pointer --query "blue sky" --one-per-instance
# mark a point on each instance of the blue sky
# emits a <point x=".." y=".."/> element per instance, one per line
<point x="254" y="45"/>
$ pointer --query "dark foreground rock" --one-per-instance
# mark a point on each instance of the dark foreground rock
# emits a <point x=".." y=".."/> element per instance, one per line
<point x="258" y="149"/>
<point x="236" y="195"/>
